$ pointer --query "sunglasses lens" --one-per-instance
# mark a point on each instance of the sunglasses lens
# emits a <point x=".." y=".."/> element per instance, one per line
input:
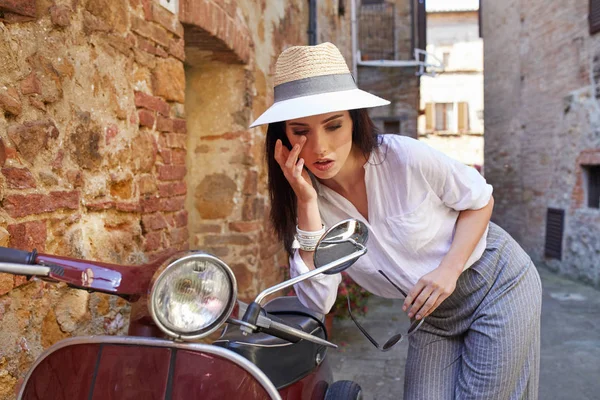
<point x="392" y="341"/>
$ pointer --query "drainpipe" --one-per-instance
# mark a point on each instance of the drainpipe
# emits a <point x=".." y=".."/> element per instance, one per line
<point x="354" y="29"/>
<point x="312" y="22"/>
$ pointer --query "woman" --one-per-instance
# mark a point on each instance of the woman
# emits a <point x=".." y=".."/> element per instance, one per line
<point x="430" y="232"/>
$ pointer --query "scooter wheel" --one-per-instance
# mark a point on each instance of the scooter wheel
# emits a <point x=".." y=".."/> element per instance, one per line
<point x="344" y="390"/>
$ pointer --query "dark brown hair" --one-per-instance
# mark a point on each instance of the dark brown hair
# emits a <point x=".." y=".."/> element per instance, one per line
<point x="282" y="196"/>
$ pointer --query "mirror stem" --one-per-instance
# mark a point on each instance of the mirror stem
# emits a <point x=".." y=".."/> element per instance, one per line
<point x="310" y="274"/>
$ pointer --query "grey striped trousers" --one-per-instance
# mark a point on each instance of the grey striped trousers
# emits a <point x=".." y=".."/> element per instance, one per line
<point x="483" y="342"/>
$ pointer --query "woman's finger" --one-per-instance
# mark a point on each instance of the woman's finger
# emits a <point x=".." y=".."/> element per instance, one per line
<point x="412" y="294"/>
<point x="428" y="305"/>
<point x="297" y="172"/>
<point x="439" y="301"/>
<point x="420" y="300"/>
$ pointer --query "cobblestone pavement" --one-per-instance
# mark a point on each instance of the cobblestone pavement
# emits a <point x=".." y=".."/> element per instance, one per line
<point x="570" y="355"/>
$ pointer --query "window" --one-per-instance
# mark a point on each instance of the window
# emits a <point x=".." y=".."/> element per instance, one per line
<point x="444" y="116"/>
<point x="594" y="16"/>
<point x="591" y="176"/>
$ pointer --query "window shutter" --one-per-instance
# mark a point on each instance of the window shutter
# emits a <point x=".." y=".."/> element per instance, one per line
<point x="594" y="16"/>
<point x="463" y="116"/>
<point x="429" y="117"/>
<point x="555" y="225"/>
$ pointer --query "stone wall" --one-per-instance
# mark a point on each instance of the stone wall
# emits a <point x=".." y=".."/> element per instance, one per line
<point x="92" y="154"/>
<point x="542" y="118"/>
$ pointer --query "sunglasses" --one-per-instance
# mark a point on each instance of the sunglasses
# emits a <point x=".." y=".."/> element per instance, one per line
<point x="398" y="337"/>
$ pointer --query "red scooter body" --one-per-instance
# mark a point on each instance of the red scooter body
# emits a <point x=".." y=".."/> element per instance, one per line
<point x="256" y="366"/>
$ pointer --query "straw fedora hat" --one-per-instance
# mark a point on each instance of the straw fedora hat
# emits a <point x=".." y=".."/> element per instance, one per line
<point x="313" y="80"/>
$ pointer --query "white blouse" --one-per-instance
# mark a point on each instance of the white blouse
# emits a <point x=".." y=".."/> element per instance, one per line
<point x="414" y="197"/>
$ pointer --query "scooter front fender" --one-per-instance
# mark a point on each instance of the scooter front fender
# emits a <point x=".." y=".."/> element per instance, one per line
<point x="111" y="367"/>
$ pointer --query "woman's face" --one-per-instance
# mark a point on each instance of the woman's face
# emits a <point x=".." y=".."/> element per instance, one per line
<point x="328" y="141"/>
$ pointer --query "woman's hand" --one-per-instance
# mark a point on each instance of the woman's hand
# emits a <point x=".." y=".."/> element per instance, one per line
<point x="294" y="172"/>
<point x="430" y="291"/>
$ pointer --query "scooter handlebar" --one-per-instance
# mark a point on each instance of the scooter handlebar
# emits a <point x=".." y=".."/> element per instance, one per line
<point x="17" y="256"/>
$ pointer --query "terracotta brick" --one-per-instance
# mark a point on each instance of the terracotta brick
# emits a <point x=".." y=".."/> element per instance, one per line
<point x="178" y="157"/>
<point x="171" y="172"/>
<point x="166" y="19"/>
<point x="180" y="219"/>
<point x="151" y="103"/>
<point x="177" y="49"/>
<point x="153" y="222"/>
<point x="146" y="118"/>
<point x="153" y="241"/>
<point x="164" y="124"/>
<point x="28" y="235"/>
<point x="178" y="235"/>
<point x="18" y="205"/>
<point x="243" y="226"/>
<point x="208" y="228"/>
<point x="18" y="178"/>
<point x="173" y="204"/>
<point x="179" y="125"/>
<point x="175" y="140"/>
<point x="128" y="206"/>
<point x="172" y="189"/>
<point x="100" y="205"/>
<point x="151" y="204"/>
<point x="150" y="30"/>
<point x="251" y="183"/>
<point x="232" y="239"/>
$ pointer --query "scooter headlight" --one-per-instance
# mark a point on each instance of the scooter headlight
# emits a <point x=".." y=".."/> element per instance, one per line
<point x="193" y="296"/>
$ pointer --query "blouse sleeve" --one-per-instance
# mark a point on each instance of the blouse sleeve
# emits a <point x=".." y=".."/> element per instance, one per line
<point x="459" y="186"/>
<point x="317" y="293"/>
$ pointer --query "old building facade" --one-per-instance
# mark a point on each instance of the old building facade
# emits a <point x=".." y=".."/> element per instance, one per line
<point x="452" y="101"/>
<point x="542" y="115"/>
<point x="123" y="137"/>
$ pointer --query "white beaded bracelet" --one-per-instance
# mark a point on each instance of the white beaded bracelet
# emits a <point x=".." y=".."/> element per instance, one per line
<point x="307" y="240"/>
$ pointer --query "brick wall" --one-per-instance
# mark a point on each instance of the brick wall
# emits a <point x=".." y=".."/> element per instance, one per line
<point x="541" y="115"/>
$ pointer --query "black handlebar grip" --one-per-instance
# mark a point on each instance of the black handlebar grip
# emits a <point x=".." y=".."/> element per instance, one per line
<point x="17" y="256"/>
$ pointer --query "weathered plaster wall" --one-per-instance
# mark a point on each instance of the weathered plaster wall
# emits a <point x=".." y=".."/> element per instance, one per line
<point x="542" y="122"/>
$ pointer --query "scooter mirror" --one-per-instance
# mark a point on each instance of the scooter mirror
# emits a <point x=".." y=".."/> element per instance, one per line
<point x="342" y="239"/>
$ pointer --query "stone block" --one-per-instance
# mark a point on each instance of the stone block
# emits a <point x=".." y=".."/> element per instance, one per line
<point x="168" y="80"/>
<point x="31" y="138"/>
<point x="10" y="101"/>
<point x="60" y="15"/>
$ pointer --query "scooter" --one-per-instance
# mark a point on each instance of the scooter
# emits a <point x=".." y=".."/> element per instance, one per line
<point x="275" y="351"/>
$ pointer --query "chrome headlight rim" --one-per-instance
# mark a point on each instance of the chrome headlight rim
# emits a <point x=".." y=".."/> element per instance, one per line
<point x="172" y="263"/>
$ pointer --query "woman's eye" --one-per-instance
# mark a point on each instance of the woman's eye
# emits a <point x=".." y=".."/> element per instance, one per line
<point x="334" y="127"/>
<point x="300" y="132"/>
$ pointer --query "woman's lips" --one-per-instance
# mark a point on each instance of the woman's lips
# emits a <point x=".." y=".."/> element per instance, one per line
<point x="324" y="165"/>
